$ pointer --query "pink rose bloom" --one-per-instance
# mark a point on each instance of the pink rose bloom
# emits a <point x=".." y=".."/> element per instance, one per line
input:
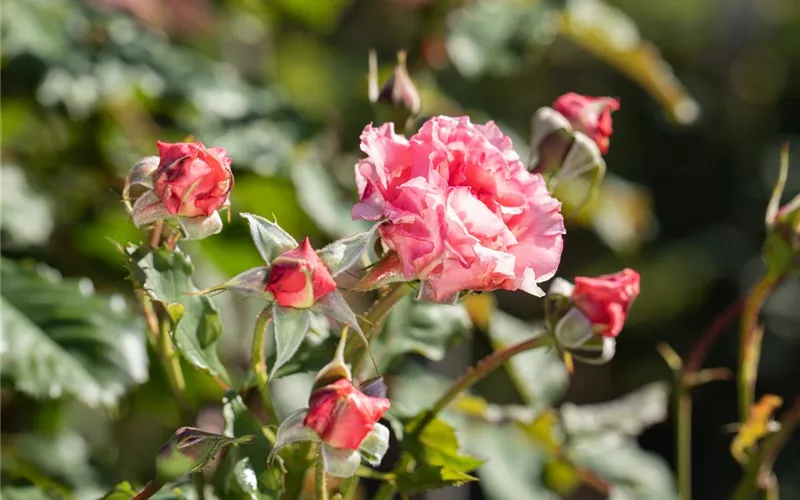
<point x="342" y="416"/>
<point x="590" y="115"/>
<point x="462" y="211"/>
<point x="298" y="278"/>
<point x="191" y="180"/>
<point x="606" y="300"/>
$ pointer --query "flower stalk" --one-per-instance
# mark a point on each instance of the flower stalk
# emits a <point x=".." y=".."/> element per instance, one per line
<point x="372" y="322"/>
<point x="259" y="365"/>
<point x="321" y="483"/>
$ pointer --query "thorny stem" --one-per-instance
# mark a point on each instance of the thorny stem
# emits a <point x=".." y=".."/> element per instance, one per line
<point x="321" y="483"/>
<point x="149" y="490"/>
<point x="259" y="364"/>
<point x="476" y="373"/>
<point x="373" y="320"/>
<point x="750" y="336"/>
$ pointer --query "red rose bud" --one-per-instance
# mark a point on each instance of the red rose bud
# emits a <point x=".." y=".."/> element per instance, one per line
<point x="342" y="416"/>
<point x="298" y="278"/>
<point x="590" y="115"/>
<point x="191" y="180"/>
<point x="605" y="300"/>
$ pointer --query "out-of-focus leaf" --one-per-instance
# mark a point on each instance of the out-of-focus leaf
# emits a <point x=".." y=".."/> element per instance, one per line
<point x="602" y="439"/>
<point x="122" y="491"/>
<point x="620" y="212"/>
<point x="627" y="415"/>
<point x="125" y="491"/>
<point x="419" y="327"/>
<point x="438" y="445"/>
<point x="618" y="459"/>
<point x="320" y="198"/>
<point x="28" y="493"/>
<point x="512" y="468"/>
<point x="430" y="477"/>
<point x="60" y="338"/>
<point x="480" y="307"/>
<point x="56" y="463"/>
<point x="26" y="216"/>
<point x="168" y="277"/>
<point x="757" y="426"/>
<point x="612" y="36"/>
<point x="539" y="375"/>
<point x="240" y="422"/>
<point x="321" y="16"/>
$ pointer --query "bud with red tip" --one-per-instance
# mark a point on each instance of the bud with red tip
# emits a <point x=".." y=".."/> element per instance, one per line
<point x="591" y="313"/>
<point x="589" y="115"/>
<point x="298" y="278"/>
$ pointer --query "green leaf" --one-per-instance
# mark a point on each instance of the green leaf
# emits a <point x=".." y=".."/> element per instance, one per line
<point x="539" y="374"/>
<point x="320" y="198"/>
<point x="270" y="239"/>
<point x="125" y="491"/>
<point x="168" y="278"/>
<point x="289" y="327"/>
<point x="438" y="445"/>
<point x="430" y="477"/>
<point x="627" y="415"/>
<point x="27" y="493"/>
<point x="343" y="253"/>
<point x="122" y="491"/>
<point x="596" y="26"/>
<point x="60" y="338"/>
<point x="240" y="422"/>
<point x="421" y="328"/>
<point x="26" y="216"/>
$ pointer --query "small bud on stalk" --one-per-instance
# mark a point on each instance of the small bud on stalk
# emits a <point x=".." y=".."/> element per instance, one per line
<point x="397" y="100"/>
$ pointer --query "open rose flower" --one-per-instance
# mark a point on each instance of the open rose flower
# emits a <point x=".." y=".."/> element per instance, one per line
<point x="461" y="211"/>
<point x="592" y="312"/>
<point x="590" y="115"/>
<point x="343" y="417"/>
<point x="187" y="182"/>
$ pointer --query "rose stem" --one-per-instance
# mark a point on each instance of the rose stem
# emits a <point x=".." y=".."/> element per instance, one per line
<point x="259" y="365"/>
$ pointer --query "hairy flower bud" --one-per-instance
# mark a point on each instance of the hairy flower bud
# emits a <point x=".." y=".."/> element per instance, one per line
<point x="188" y="450"/>
<point x="298" y="278"/>
<point x="342" y="416"/>
<point x="398" y="99"/>
<point x="191" y="180"/>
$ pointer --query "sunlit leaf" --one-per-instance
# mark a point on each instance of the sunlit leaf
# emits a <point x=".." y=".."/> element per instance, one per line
<point x="420" y="328"/>
<point x="60" y="338"/>
<point x="438" y="445"/>
<point x="430" y="477"/>
<point x="168" y="277"/>
<point x="759" y="423"/>
<point x="240" y="422"/>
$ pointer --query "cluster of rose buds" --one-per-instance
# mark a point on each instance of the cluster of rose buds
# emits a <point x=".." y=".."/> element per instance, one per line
<point x="456" y="211"/>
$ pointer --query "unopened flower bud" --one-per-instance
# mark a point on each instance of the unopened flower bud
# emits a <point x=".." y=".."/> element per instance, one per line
<point x="398" y="99"/>
<point x="589" y="115"/>
<point x="298" y="278"/>
<point x="188" y="450"/>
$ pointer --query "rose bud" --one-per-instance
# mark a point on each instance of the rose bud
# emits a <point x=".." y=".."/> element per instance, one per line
<point x="589" y="115"/>
<point x="605" y="300"/>
<point x="189" y="449"/>
<point x="298" y="278"/>
<point x="591" y="313"/>
<point x="398" y="99"/>
<point x="191" y="180"/>
<point x="342" y="416"/>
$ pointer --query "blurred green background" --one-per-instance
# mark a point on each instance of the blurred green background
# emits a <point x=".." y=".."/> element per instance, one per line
<point x="709" y="90"/>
